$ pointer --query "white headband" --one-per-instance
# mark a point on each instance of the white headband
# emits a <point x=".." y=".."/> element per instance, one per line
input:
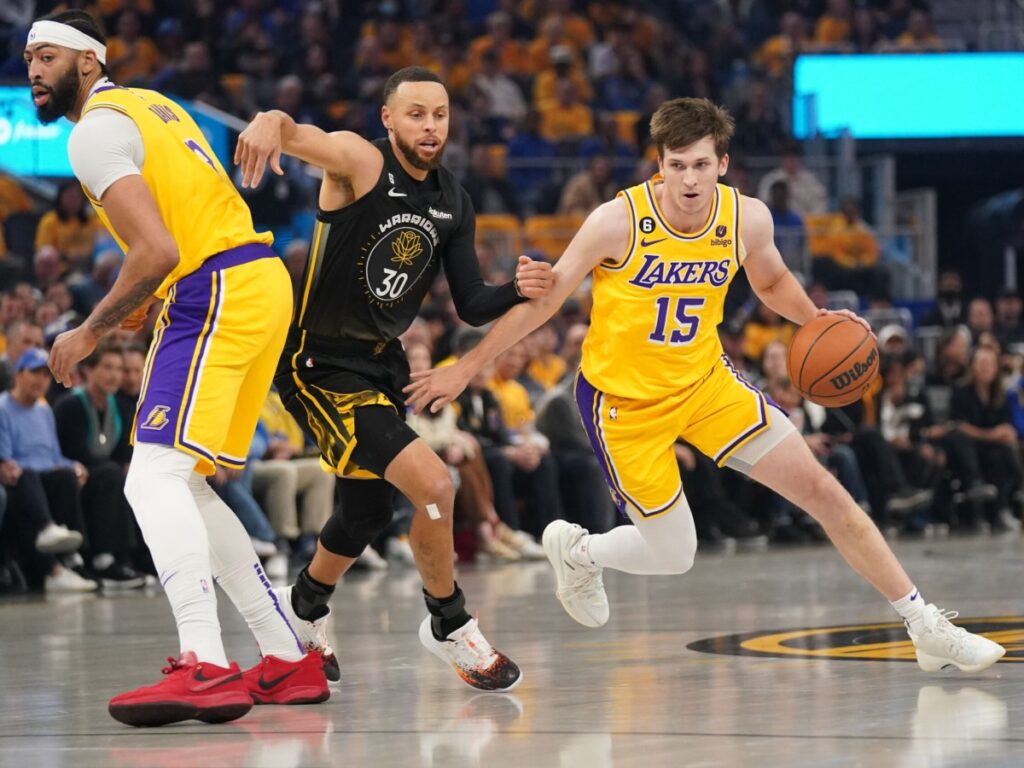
<point x="67" y="36"/>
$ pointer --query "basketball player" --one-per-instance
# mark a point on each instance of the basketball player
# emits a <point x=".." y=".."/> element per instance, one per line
<point x="189" y="240"/>
<point x="390" y="217"/>
<point x="662" y="255"/>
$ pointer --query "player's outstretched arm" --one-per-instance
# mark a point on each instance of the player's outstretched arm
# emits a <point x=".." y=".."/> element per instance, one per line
<point x="151" y="255"/>
<point x="604" y="235"/>
<point x="769" y="276"/>
<point x="270" y="134"/>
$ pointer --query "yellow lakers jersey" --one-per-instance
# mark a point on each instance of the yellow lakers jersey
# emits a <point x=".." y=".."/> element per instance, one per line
<point x="197" y="201"/>
<point x="653" y="326"/>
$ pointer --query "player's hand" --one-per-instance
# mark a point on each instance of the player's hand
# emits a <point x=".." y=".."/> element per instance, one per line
<point x="435" y="388"/>
<point x="137" y="319"/>
<point x="851" y="316"/>
<point x="70" y="348"/>
<point x="533" y="278"/>
<point x="259" y="143"/>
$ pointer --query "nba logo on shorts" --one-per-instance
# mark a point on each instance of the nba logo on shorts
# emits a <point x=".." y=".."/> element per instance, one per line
<point x="720" y="230"/>
<point x="157" y="418"/>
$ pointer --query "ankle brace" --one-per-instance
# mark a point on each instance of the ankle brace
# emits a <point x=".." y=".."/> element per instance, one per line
<point x="310" y="597"/>
<point x="446" y="613"/>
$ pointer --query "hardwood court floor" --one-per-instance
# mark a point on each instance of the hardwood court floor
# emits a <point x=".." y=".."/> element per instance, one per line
<point x="631" y="694"/>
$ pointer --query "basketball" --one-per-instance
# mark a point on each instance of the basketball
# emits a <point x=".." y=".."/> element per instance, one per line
<point x="832" y="360"/>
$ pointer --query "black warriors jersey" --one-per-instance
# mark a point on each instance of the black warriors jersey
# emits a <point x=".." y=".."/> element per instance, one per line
<point x="372" y="262"/>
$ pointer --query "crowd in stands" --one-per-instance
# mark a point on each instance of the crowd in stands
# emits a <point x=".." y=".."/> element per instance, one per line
<point x="551" y="103"/>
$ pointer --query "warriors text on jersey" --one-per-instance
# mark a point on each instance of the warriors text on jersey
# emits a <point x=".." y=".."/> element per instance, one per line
<point x="372" y="262"/>
<point x="197" y="201"/>
<point x="656" y="310"/>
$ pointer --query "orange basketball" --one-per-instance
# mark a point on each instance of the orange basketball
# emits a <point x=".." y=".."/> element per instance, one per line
<point x="832" y="360"/>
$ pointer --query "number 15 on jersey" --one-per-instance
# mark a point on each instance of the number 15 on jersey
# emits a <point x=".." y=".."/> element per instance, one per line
<point x="686" y="324"/>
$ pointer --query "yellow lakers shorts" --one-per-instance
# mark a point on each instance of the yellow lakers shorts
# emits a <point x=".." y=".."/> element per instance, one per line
<point x="634" y="439"/>
<point x="215" y="348"/>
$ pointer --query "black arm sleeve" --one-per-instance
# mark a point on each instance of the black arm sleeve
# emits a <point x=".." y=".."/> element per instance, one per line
<point x="476" y="302"/>
<point x="72" y="428"/>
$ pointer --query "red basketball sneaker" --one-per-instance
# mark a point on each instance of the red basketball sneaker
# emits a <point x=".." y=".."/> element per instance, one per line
<point x="276" y="681"/>
<point x="192" y="690"/>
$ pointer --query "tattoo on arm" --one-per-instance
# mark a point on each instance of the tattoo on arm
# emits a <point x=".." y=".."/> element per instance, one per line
<point x="112" y="316"/>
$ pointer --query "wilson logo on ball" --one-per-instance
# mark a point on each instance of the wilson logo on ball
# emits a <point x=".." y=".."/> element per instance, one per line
<point x="846" y="378"/>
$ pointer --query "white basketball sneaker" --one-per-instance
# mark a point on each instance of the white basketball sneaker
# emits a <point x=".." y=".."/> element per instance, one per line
<point x="472" y="657"/>
<point x="312" y="634"/>
<point x="580" y="587"/>
<point x="941" y="644"/>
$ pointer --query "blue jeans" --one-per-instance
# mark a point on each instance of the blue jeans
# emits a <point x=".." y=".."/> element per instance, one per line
<point x="237" y="494"/>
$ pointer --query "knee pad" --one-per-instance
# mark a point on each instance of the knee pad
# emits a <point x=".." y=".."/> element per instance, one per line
<point x="365" y="508"/>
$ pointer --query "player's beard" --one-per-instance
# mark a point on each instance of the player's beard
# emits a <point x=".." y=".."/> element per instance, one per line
<point x="410" y="154"/>
<point x="62" y="97"/>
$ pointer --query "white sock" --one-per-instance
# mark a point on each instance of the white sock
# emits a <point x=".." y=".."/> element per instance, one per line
<point x="102" y="561"/>
<point x="189" y="587"/>
<point x="157" y="488"/>
<point x="240" y="574"/>
<point x="660" y="545"/>
<point x="911" y="608"/>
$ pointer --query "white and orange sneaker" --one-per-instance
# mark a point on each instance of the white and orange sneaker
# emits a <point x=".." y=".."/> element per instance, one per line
<point x="478" y="664"/>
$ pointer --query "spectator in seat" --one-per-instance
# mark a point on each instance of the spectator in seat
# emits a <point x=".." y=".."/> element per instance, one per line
<point x="807" y="195"/>
<point x="43" y="486"/>
<point x="789" y="226"/>
<point x="474" y="498"/>
<point x="607" y="142"/>
<point x="980" y="318"/>
<point x="562" y="67"/>
<point x="1008" y="327"/>
<point x="981" y="410"/>
<point x="93" y="433"/>
<point x="22" y="335"/>
<point x="588" y="189"/>
<point x="919" y="35"/>
<point x="949" y="307"/>
<point x="489" y="192"/>
<point x="762" y="132"/>
<point x="297" y="494"/>
<point x="69" y="227"/>
<point x="852" y="261"/>
<point x="565" y="117"/>
<point x="504" y="97"/>
<point x="528" y="153"/>
<point x="499" y="39"/>
<point x="835" y="25"/>
<point x="131" y="56"/>
<point x="521" y="471"/>
<point x="777" y="53"/>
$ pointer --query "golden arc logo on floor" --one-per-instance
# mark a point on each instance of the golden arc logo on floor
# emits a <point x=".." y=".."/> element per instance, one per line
<point x="871" y="642"/>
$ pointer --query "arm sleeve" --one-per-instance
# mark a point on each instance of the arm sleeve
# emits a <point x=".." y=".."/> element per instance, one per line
<point x="476" y="302"/>
<point x="105" y="146"/>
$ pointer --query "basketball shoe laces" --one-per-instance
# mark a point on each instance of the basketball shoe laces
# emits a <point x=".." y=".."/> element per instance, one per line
<point x="176" y="667"/>
<point x="587" y="587"/>
<point x="473" y="651"/>
<point x="956" y="638"/>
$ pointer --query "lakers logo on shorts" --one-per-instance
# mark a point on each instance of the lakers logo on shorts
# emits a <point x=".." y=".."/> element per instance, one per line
<point x="861" y="642"/>
<point x="157" y="418"/>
